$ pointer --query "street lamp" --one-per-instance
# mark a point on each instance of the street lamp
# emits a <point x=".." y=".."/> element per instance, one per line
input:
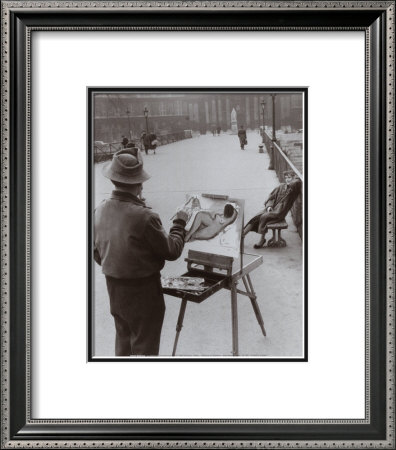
<point x="263" y="108"/>
<point x="146" y="113"/>
<point x="129" y="123"/>
<point x="271" y="153"/>
<point x="273" y="117"/>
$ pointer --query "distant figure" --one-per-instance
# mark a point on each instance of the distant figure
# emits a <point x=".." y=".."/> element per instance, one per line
<point x="142" y="141"/>
<point x="242" y="137"/>
<point x="218" y="131"/>
<point x="149" y="142"/>
<point x="146" y="142"/>
<point x="277" y="206"/>
<point x="208" y="224"/>
<point x="124" y="141"/>
<point x="153" y="142"/>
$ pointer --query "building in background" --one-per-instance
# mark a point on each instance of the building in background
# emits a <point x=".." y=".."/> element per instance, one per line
<point x="117" y="115"/>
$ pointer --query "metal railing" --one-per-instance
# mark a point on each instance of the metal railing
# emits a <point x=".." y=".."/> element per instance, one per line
<point x="281" y="163"/>
<point x="279" y="158"/>
<point x="104" y="151"/>
<point x="168" y="138"/>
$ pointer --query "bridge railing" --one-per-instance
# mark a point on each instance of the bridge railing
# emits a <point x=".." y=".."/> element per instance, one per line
<point x="168" y="138"/>
<point x="105" y="150"/>
<point x="282" y="163"/>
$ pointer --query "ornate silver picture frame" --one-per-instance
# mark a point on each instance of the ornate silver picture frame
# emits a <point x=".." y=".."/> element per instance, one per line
<point x="20" y="20"/>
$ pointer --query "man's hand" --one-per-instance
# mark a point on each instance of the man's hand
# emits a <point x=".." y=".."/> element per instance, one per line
<point x="181" y="214"/>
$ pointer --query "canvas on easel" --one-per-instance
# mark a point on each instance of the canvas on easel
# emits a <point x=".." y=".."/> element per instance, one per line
<point x="215" y="224"/>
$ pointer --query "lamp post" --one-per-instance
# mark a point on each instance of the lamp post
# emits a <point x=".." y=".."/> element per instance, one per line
<point x="146" y="113"/>
<point x="273" y="118"/>
<point x="271" y="153"/>
<point x="263" y="108"/>
<point x="129" y="123"/>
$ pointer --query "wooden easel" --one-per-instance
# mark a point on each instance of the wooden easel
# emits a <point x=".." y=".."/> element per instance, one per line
<point x="219" y="269"/>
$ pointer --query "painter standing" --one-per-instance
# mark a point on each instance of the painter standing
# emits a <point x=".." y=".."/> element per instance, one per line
<point x="131" y="245"/>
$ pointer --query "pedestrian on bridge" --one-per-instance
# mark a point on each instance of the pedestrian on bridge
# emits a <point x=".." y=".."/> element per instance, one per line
<point x="131" y="245"/>
<point x="242" y="137"/>
<point x="124" y="141"/>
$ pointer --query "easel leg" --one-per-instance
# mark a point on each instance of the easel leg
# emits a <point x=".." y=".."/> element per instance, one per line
<point x="253" y="300"/>
<point x="179" y="324"/>
<point x="234" y="312"/>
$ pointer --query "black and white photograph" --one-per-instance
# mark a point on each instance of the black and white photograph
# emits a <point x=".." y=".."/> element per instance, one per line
<point x="197" y="224"/>
<point x="197" y="208"/>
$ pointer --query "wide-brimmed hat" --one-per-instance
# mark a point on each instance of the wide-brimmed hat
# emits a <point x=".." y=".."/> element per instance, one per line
<point x="125" y="168"/>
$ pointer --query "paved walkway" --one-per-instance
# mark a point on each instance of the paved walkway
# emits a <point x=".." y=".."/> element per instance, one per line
<point x="217" y="165"/>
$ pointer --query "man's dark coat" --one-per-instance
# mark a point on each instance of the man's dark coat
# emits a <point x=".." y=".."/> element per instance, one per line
<point x="131" y="245"/>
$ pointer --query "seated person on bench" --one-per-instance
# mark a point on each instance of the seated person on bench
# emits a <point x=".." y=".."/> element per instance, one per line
<point x="277" y="206"/>
<point x="208" y="224"/>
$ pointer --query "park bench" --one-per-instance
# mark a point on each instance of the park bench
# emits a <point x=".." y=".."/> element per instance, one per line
<point x="276" y="240"/>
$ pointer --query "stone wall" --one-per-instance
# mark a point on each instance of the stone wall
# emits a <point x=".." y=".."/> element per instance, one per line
<point x="297" y="214"/>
